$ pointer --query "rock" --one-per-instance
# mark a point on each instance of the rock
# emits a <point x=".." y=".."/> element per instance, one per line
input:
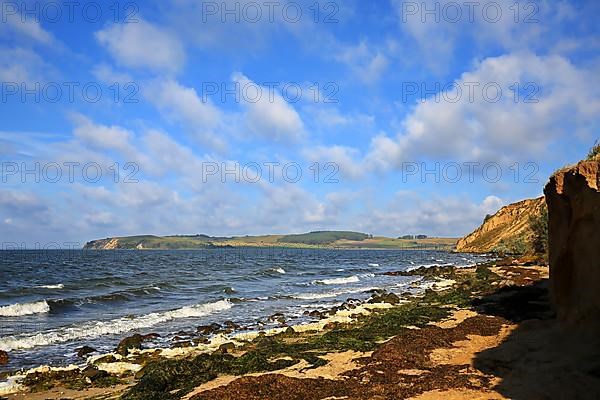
<point x="226" y="347"/>
<point x="106" y="359"/>
<point x="3" y="357"/>
<point x="182" y="344"/>
<point x="209" y="329"/>
<point x="150" y="336"/>
<point x="131" y="342"/>
<point x="231" y="325"/>
<point x="573" y="199"/>
<point x="200" y="340"/>
<point x="84" y="351"/>
<point x="350" y="304"/>
<point x="290" y="330"/>
<point x="389" y="298"/>
<point x="278" y="317"/>
<point x="433" y="271"/>
<point x="93" y="373"/>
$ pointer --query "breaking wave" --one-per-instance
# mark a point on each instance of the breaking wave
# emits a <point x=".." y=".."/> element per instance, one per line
<point x="117" y="326"/>
<point x="338" y="281"/>
<point x="18" y="310"/>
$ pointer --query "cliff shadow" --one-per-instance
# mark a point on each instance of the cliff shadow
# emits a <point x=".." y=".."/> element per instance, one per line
<point x="539" y="359"/>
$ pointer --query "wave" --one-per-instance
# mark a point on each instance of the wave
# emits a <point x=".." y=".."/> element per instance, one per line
<point x="338" y="281"/>
<point x="373" y="265"/>
<point x="57" y="286"/>
<point x="273" y="271"/>
<point x="18" y="310"/>
<point x="117" y="326"/>
<point x="120" y="296"/>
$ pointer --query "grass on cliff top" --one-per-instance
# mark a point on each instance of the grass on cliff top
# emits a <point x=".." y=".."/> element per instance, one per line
<point x="172" y="379"/>
<point x="594" y="153"/>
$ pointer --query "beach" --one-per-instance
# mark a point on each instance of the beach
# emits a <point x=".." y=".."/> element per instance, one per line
<point x="421" y="345"/>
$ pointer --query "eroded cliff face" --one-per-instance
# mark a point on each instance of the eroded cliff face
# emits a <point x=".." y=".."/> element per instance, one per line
<point x="102" y="244"/>
<point x="574" y="243"/>
<point x="508" y="230"/>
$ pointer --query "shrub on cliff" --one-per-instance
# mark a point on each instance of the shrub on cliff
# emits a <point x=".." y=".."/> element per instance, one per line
<point x="511" y="246"/>
<point x="594" y="153"/>
<point x="539" y="226"/>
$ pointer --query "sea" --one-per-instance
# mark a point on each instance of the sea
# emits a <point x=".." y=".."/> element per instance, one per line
<point x="53" y="302"/>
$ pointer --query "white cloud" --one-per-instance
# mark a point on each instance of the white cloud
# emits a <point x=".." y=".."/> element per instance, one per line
<point x="26" y="27"/>
<point x="184" y="105"/>
<point x="440" y="36"/>
<point x="410" y="213"/>
<point x="477" y="129"/>
<point x="20" y="65"/>
<point x="269" y="116"/>
<point x="342" y="157"/>
<point x="367" y="64"/>
<point x="106" y="74"/>
<point x="143" y="45"/>
<point x="102" y="137"/>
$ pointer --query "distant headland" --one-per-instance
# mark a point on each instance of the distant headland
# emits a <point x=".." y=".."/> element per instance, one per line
<point x="317" y="239"/>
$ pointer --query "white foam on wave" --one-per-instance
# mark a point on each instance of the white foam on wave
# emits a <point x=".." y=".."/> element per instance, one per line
<point x="113" y="327"/>
<point x="57" y="286"/>
<point x="373" y="265"/>
<point x="338" y="281"/>
<point x="11" y="385"/>
<point x="18" y="310"/>
<point x="280" y="270"/>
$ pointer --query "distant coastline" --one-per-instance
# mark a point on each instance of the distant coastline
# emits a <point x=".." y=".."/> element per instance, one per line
<point x="312" y="240"/>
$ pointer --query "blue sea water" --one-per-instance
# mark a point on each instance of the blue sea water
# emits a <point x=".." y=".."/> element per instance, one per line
<point x="52" y="302"/>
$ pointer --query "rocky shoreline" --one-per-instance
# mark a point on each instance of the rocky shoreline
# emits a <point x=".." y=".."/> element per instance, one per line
<point x="385" y="348"/>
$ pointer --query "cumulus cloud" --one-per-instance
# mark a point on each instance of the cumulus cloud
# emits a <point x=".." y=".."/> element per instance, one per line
<point x="494" y="125"/>
<point x="410" y="213"/>
<point x="182" y="104"/>
<point x="268" y="116"/>
<point x="142" y="45"/>
<point x="342" y="157"/>
<point x="101" y="136"/>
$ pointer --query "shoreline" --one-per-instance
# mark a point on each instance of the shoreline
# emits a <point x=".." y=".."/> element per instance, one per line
<point x="127" y="373"/>
<point x="346" y="312"/>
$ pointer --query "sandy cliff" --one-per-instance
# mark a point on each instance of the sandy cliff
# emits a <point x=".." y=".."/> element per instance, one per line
<point x="574" y="240"/>
<point x="508" y="230"/>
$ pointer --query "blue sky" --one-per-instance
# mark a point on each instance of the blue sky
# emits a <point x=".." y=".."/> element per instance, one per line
<point x="372" y="95"/>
